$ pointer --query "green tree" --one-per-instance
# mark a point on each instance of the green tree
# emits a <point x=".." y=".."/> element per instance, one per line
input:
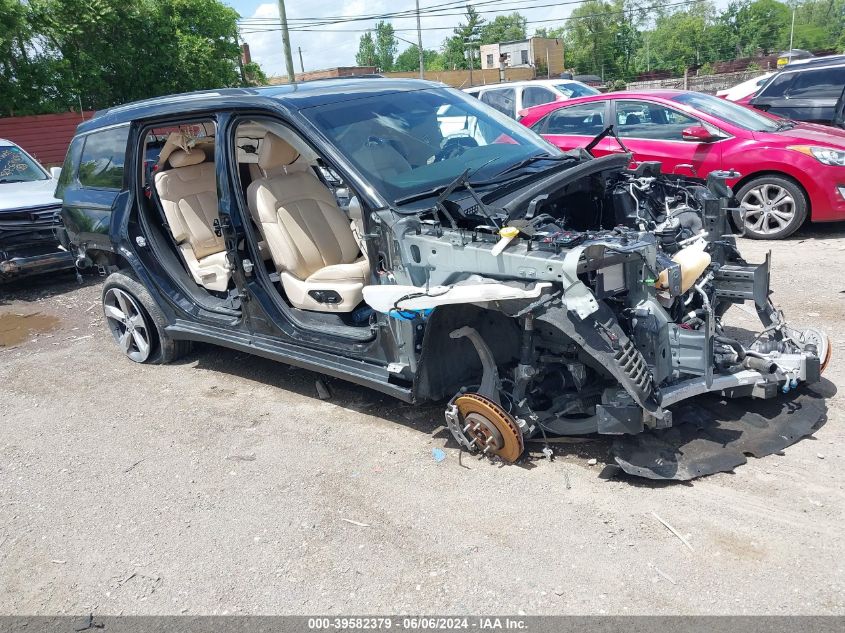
<point x="99" y="53"/>
<point x="505" y="28"/>
<point x="454" y="49"/>
<point x="386" y="45"/>
<point x="409" y="59"/>
<point x="553" y="33"/>
<point x="820" y="24"/>
<point x="763" y="25"/>
<point x="204" y="52"/>
<point x="25" y="72"/>
<point x="597" y="38"/>
<point x="678" y="39"/>
<point x="254" y="75"/>
<point x="366" y="55"/>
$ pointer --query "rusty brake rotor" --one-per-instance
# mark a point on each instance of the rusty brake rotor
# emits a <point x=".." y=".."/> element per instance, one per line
<point x="489" y="427"/>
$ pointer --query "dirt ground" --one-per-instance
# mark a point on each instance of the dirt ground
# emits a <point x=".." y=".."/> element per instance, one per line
<point x="222" y="484"/>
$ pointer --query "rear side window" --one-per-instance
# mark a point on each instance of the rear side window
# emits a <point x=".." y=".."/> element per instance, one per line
<point x="70" y="165"/>
<point x="823" y="83"/>
<point x="534" y="95"/>
<point x="101" y="164"/>
<point x="504" y="100"/>
<point x="778" y="85"/>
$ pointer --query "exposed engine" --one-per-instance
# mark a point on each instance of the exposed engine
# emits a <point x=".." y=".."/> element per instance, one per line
<point x="614" y="283"/>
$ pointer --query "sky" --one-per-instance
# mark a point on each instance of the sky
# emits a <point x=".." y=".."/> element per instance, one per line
<point x="337" y="48"/>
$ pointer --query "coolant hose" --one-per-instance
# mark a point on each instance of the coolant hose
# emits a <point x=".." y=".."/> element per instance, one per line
<point x="732" y="343"/>
<point x="763" y="365"/>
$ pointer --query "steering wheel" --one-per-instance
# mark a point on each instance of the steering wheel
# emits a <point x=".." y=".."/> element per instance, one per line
<point x="454" y="146"/>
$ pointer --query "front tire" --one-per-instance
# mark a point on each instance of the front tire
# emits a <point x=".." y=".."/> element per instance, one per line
<point x="774" y="207"/>
<point x="136" y="322"/>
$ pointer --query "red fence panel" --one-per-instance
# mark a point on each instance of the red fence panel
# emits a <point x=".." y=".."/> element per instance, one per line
<point x="45" y="136"/>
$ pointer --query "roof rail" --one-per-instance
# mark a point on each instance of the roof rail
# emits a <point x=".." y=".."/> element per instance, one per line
<point x="812" y="62"/>
<point x="361" y="76"/>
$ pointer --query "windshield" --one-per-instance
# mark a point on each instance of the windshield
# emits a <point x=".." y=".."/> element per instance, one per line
<point x="16" y="166"/>
<point x="408" y="143"/>
<point x="572" y="90"/>
<point x="728" y="111"/>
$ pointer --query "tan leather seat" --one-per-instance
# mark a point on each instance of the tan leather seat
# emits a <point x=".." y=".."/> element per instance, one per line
<point x="381" y="159"/>
<point x="309" y="237"/>
<point x="188" y="194"/>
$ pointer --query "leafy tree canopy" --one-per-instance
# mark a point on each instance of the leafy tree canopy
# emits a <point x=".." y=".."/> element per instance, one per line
<point x="386" y="45"/>
<point x="366" y="55"/>
<point x="60" y="54"/>
<point x="409" y="59"/>
<point x="504" y="28"/>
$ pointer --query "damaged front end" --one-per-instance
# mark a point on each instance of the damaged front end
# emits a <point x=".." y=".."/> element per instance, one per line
<point x="32" y="241"/>
<point x="593" y="302"/>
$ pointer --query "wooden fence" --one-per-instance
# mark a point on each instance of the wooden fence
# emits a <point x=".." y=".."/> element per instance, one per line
<point x="461" y="78"/>
<point x="45" y="136"/>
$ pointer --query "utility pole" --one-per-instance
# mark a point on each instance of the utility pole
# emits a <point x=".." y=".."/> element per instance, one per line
<point x="301" y="65"/>
<point x="468" y="44"/>
<point x="283" y="16"/>
<point x="240" y="59"/>
<point x="791" y="35"/>
<point x="470" y="67"/>
<point x="419" y="43"/>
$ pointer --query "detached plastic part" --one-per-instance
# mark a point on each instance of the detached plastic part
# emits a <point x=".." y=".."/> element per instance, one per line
<point x="717" y="435"/>
<point x="389" y="298"/>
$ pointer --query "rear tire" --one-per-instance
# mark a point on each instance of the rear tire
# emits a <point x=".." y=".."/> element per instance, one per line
<point x="136" y="322"/>
<point x="775" y="207"/>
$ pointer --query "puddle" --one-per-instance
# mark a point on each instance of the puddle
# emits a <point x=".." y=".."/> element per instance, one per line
<point x="17" y="328"/>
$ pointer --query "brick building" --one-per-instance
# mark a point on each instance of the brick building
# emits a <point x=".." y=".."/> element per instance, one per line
<point x="544" y="52"/>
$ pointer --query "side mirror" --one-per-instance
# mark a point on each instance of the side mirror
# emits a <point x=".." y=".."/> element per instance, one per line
<point x="697" y="134"/>
<point x="55" y="172"/>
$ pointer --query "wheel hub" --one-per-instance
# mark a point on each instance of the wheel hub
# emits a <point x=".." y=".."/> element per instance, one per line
<point x="482" y="433"/>
<point x="488" y="428"/>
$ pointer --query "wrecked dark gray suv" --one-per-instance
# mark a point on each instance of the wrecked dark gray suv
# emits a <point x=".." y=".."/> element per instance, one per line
<point x="406" y="237"/>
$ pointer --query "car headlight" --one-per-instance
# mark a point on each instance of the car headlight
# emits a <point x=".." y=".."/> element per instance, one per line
<point x="825" y="155"/>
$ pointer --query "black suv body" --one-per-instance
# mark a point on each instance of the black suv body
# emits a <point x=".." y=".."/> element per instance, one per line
<point x="807" y="90"/>
<point x="406" y="237"/>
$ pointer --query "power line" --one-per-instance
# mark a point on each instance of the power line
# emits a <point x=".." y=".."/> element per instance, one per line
<point x="405" y="13"/>
<point x="249" y="29"/>
<point x="309" y="26"/>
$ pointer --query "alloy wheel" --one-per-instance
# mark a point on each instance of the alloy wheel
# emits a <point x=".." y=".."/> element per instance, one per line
<point x="768" y="208"/>
<point x="127" y="324"/>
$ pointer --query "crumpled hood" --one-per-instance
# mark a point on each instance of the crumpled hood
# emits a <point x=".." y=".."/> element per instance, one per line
<point x="21" y="195"/>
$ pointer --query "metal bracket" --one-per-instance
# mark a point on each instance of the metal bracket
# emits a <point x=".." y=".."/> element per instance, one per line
<point x="490" y="383"/>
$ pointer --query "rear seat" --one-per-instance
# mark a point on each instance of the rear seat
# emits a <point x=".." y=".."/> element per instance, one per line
<point x="188" y="194"/>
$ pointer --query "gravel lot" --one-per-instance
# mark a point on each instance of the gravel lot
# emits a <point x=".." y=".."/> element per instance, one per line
<point x="222" y="484"/>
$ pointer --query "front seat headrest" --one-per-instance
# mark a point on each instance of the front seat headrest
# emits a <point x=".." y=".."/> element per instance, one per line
<point x="275" y="153"/>
<point x="181" y="158"/>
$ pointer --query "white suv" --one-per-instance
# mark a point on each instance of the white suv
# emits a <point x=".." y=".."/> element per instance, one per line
<point x="31" y="230"/>
<point x="513" y="97"/>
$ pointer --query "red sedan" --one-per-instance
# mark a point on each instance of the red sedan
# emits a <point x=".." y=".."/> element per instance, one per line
<point x="788" y="171"/>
